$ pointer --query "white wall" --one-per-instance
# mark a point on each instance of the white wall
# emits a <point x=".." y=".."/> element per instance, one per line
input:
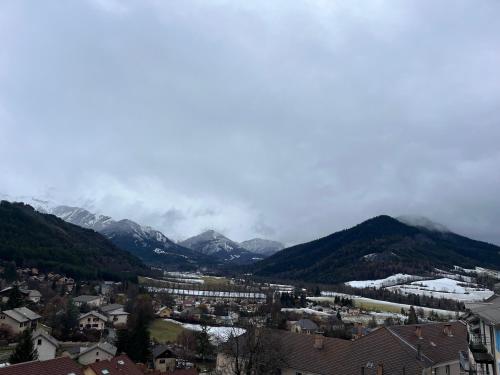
<point x="46" y="350"/>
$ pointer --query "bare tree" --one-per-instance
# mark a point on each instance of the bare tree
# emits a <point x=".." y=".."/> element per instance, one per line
<point x="255" y="352"/>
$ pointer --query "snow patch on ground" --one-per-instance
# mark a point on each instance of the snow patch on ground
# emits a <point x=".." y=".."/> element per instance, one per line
<point x="396" y="279"/>
<point x="218" y="335"/>
<point x="445" y="288"/>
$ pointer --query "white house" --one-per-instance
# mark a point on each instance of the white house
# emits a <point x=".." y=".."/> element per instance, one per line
<point x="92" y="301"/>
<point x="19" y="319"/>
<point x="92" y="320"/>
<point x="45" y="344"/>
<point x="118" y="318"/>
<point x="101" y="351"/>
<point x="31" y="295"/>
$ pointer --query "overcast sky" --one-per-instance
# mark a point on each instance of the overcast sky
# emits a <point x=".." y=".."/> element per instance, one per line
<point x="282" y="119"/>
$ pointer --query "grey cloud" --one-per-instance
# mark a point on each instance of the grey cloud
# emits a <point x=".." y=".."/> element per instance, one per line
<point x="312" y="114"/>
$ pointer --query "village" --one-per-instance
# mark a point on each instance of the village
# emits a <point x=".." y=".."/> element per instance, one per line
<point x="191" y="323"/>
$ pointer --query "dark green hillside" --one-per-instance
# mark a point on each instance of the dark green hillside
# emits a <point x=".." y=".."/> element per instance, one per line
<point x="33" y="239"/>
<point x="377" y="248"/>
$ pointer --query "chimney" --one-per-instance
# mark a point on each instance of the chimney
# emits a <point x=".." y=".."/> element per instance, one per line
<point x="319" y="340"/>
<point x="418" y="332"/>
<point x="447" y="330"/>
<point x="380" y="369"/>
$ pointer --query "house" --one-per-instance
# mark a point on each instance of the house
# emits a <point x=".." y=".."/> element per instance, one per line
<point x="101" y="351"/>
<point x="57" y="366"/>
<point x="115" y="314"/>
<point x="19" y="319"/>
<point x="118" y="318"/>
<point x="306" y="326"/>
<point x="483" y="323"/>
<point x="438" y="344"/>
<point x="92" y="301"/>
<point x="164" y="358"/>
<point x="164" y="312"/>
<point x="4" y="294"/>
<point x="31" y="295"/>
<point x="45" y="344"/>
<point x="425" y="349"/>
<point x="105" y="309"/>
<point x="92" y="320"/>
<point x="120" y="365"/>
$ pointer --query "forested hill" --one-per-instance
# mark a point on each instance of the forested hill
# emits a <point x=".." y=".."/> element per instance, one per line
<point x="377" y="248"/>
<point x="40" y="240"/>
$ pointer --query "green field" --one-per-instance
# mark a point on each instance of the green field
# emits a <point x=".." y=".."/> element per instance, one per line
<point x="212" y="281"/>
<point x="377" y="307"/>
<point x="163" y="331"/>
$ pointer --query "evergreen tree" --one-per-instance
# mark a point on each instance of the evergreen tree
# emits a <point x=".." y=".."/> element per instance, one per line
<point x="25" y="351"/>
<point x="68" y="320"/>
<point x="203" y="345"/>
<point x="139" y="341"/>
<point x="317" y="292"/>
<point x="9" y="273"/>
<point x="15" y="298"/>
<point x="412" y="316"/>
<point x="122" y="340"/>
<point x="135" y="341"/>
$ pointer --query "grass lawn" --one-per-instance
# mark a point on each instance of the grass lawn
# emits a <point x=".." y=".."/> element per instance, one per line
<point x="212" y="281"/>
<point x="163" y="331"/>
<point x="378" y="307"/>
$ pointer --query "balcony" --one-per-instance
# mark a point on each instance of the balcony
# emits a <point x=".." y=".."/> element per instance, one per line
<point x="479" y="348"/>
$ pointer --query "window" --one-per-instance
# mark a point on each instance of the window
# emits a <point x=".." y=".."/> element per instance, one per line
<point x="448" y="370"/>
<point x="96" y="353"/>
<point x="39" y="342"/>
<point x="162" y="361"/>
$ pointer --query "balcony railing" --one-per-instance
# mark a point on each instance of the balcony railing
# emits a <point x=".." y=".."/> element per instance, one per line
<point x="479" y="347"/>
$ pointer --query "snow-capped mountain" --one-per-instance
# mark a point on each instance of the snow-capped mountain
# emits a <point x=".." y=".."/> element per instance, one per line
<point x="262" y="246"/>
<point x="149" y="244"/>
<point x="220" y="247"/>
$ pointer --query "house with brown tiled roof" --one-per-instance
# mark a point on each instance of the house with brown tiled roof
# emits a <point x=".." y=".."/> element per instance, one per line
<point x="394" y="350"/>
<point x="57" y="366"/>
<point x="120" y="365"/>
<point x="439" y="344"/>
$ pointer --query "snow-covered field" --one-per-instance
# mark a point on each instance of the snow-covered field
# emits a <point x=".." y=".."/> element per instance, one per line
<point x="362" y="301"/>
<point x="217" y="334"/>
<point x="396" y="279"/>
<point x="445" y="288"/>
<point x="450" y="286"/>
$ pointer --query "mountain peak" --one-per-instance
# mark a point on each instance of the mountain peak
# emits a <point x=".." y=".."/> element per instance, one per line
<point x="377" y="248"/>
<point x="262" y="246"/>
